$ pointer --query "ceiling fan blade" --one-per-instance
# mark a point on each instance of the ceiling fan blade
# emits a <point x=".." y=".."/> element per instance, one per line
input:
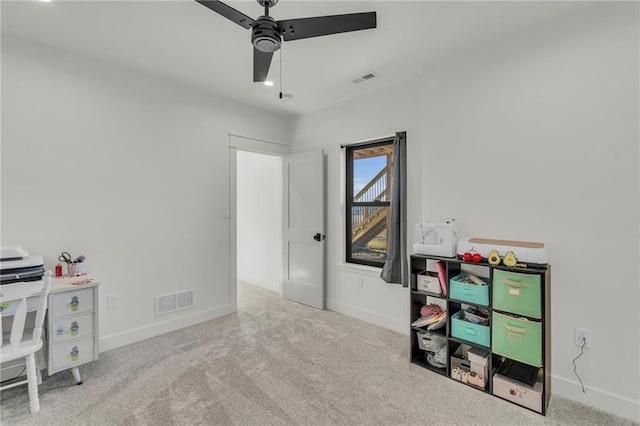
<point x="296" y="29"/>
<point x="229" y="13"/>
<point x="261" y="64"/>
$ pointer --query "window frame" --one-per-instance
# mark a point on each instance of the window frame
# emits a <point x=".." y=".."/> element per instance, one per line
<point x="350" y="204"/>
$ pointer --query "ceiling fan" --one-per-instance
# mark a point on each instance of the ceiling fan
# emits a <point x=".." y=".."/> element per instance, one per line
<point x="267" y="33"/>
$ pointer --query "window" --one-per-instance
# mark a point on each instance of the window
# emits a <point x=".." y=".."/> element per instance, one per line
<point x="368" y="199"/>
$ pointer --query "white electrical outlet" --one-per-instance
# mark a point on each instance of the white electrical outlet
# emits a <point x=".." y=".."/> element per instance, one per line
<point x="112" y="301"/>
<point x="581" y="335"/>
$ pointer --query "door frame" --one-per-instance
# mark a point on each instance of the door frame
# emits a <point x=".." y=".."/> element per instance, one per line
<point x="249" y="144"/>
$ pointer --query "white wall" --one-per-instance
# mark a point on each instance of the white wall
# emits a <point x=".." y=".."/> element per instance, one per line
<point x="128" y="170"/>
<point x="259" y="216"/>
<point x="536" y="138"/>
<point x="370" y="117"/>
<point x="532" y="138"/>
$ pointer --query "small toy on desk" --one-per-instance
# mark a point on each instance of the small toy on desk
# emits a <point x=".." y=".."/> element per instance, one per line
<point x="510" y="259"/>
<point x="472" y="256"/>
<point x="494" y="258"/>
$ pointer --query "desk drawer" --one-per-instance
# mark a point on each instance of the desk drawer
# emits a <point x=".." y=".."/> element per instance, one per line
<point x="72" y="302"/>
<point x="67" y="355"/>
<point x="72" y="328"/>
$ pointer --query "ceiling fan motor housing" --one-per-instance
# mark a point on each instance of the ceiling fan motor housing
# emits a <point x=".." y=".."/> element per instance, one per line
<point x="267" y="3"/>
<point x="266" y="35"/>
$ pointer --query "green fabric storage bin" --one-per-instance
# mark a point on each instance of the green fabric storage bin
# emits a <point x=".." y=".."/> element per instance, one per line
<point x="471" y="293"/>
<point x="517" y="338"/>
<point x="465" y="330"/>
<point x="517" y="293"/>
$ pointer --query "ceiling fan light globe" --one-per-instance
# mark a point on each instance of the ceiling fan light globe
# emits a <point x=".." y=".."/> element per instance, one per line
<point x="266" y="44"/>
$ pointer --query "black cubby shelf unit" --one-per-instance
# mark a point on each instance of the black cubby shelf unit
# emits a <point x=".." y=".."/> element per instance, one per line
<point x="516" y="342"/>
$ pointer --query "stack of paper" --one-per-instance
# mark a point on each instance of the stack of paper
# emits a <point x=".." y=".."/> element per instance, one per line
<point x="436" y="321"/>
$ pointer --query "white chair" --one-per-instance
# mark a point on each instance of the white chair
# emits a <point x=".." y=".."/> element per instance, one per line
<point x="23" y="343"/>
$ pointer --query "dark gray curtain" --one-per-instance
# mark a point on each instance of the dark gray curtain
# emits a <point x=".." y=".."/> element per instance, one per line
<point x="396" y="268"/>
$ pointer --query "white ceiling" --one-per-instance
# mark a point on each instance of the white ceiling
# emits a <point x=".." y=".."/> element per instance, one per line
<point x="183" y="41"/>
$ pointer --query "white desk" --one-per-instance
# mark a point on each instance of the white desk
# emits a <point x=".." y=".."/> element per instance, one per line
<point x="71" y="325"/>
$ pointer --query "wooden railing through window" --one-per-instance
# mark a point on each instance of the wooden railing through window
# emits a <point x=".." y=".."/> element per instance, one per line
<point x="368" y="221"/>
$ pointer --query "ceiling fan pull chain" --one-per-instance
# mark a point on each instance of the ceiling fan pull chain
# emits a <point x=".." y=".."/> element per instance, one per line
<point x="281" y="50"/>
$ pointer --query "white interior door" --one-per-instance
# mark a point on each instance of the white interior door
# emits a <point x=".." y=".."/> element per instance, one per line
<point x="303" y="228"/>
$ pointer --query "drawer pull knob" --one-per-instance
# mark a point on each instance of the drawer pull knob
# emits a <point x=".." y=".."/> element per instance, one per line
<point x="75" y="353"/>
<point x="75" y="303"/>
<point x="74" y="328"/>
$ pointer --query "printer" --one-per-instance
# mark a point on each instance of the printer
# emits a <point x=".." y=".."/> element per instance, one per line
<point x="16" y="265"/>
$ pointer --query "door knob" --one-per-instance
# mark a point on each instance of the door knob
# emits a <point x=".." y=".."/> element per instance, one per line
<point x="319" y="237"/>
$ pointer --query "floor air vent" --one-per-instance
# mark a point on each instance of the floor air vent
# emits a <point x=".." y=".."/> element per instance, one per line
<point x="174" y="302"/>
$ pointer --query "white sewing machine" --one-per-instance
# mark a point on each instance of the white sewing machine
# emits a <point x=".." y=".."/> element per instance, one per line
<point x="436" y="239"/>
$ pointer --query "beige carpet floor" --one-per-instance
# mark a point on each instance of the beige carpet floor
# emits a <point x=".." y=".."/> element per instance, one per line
<point x="275" y="362"/>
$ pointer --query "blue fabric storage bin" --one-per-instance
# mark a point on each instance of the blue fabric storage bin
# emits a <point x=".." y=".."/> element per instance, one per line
<point x="465" y="330"/>
<point x="471" y="293"/>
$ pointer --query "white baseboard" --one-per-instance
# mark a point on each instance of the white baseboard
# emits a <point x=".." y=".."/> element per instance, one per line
<point x="266" y="285"/>
<point x="368" y="316"/>
<point x="596" y="398"/>
<point x="117" y="340"/>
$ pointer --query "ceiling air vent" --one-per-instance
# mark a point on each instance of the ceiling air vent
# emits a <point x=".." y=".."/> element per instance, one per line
<point x="364" y="77"/>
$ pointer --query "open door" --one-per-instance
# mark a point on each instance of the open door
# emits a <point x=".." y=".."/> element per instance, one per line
<point x="303" y="228"/>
